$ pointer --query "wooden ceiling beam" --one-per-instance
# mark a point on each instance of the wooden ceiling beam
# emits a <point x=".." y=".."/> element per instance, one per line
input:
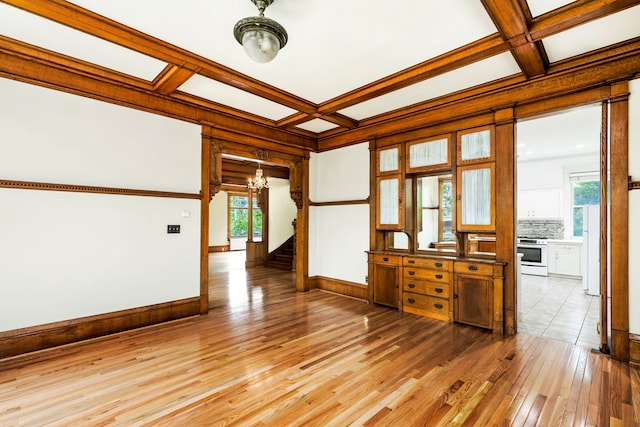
<point x="574" y="14"/>
<point x="171" y="78"/>
<point x="38" y="71"/>
<point x="80" y="19"/>
<point x="512" y="23"/>
<point x="465" y="55"/>
<point x="589" y="72"/>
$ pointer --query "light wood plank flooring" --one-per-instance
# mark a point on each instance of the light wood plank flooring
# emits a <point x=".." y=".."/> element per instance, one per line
<point x="267" y="355"/>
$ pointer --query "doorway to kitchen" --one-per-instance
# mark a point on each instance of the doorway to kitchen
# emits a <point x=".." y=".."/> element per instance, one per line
<point x="558" y="190"/>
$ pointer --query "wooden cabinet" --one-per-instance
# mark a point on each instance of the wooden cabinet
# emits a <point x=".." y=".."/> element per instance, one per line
<point x="476" y="198"/>
<point x="540" y="204"/>
<point x="389" y="188"/>
<point x="426" y="287"/>
<point x="445" y="288"/>
<point x="565" y="258"/>
<point x="473" y="294"/>
<point x="433" y="154"/>
<point x="384" y="279"/>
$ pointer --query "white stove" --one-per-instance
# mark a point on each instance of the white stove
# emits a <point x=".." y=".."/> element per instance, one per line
<point x="534" y="255"/>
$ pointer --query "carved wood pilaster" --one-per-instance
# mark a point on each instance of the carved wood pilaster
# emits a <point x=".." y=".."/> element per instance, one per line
<point x="215" y="175"/>
<point x="296" y="176"/>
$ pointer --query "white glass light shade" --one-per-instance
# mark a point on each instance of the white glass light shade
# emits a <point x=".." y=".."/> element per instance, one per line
<point x="260" y="45"/>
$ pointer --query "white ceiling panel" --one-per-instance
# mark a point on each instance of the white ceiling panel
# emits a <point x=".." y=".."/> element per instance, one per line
<point x="317" y="125"/>
<point x="235" y="98"/>
<point x="20" y="25"/>
<point x="594" y="35"/>
<point x="540" y="7"/>
<point x="573" y="132"/>
<point x="499" y="66"/>
<point x="334" y="45"/>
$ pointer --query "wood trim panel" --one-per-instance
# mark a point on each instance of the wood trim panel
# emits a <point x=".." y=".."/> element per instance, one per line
<point x="342" y="287"/>
<point x="219" y="248"/>
<point x="206" y="151"/>
<point x="47" y="186"/>
<point x="36" y="338"/>
<point x="619" y="235"/>
<point x="634" y="185"/>
<point x="634" y="350"/>
<point x="341" y="202"/>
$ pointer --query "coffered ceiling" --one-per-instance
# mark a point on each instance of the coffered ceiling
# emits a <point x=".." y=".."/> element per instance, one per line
<point x="347" y="64"/>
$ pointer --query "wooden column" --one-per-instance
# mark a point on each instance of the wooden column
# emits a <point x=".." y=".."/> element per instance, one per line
<point x="299" y="185"/>
<point x="619" y="183"/>
<point x="204" y="218"/>
<point x="506" y="213"/>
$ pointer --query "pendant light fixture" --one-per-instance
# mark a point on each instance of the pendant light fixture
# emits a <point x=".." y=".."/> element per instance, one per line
<point x="260" y="36"/>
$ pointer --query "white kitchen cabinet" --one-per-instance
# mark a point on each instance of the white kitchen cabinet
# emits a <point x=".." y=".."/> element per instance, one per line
<point x="565" y="258"/>
<point x="540" y="203"/>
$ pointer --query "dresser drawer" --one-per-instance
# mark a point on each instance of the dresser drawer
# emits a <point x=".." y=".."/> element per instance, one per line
<point x="411" y="273"/>
<point x="437" y="308"/>
<point x="386" y="259"/>
<point x="473" y="268"/>
<point x="428" y="288"/>
<point x="433" y="264"/>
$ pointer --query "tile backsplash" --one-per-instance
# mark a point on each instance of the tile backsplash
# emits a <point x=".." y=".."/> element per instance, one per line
<point x="541" y="228"/>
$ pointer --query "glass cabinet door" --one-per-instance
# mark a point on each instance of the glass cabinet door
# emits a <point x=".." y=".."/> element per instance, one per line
<point x="475" y="145"/>
<point x="388" y="160"/>
<point x="428" y="155"/>
<point x="390" y="203"/>
<point x="476" y="201"/>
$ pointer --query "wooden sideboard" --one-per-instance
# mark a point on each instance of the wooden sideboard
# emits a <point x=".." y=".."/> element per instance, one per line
<point x="451" y="289"/>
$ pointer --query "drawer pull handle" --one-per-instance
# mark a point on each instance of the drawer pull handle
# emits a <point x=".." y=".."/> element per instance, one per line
<point x="438" y="306"/>
<point x="438" y="290"/>
<point x="412" y="273"/>
<point x="411" y="285"/>
<point x="411" y="300"/>
<point x="438" y="264"/>
<point x="438" y="276"/>
<point x="385" y="259"/>
<point x="473" y="267"/>
<point x="412" y="261"/>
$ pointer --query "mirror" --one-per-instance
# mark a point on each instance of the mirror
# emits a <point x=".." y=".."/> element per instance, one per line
<point x="397" y="240"/>
<point x="434" y="215"/>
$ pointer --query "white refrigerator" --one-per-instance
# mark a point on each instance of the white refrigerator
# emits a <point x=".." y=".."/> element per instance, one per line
<point x="591" y="249"/>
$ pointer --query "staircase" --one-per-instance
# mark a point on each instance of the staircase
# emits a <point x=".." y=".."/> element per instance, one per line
<point x="282" y="257"/>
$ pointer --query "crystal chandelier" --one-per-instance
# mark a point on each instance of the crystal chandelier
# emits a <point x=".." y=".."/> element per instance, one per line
<point x="259" y="182"/>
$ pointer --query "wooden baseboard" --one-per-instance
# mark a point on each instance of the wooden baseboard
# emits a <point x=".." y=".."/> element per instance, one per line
<point x="634" y="350"/>
<point x="219" y="248"/>
<point x="350" y="289"/>
<point x="26" y="340"/>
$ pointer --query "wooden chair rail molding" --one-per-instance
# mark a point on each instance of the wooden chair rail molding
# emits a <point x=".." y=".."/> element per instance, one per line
<point x="28" y="185"/>
<point x="634" y="185"/>
<point x="340" y="202"/>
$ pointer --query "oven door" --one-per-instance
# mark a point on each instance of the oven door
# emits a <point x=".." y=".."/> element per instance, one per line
<point x="533" y="254"/>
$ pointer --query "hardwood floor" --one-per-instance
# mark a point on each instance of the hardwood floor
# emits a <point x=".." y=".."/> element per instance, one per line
<point x="267" y="355"/>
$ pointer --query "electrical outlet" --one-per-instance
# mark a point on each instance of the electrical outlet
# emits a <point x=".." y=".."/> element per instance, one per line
<point x="173" y="229"/>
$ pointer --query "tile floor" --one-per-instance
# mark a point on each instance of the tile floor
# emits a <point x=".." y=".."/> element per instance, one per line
<point x="558" y="308"/>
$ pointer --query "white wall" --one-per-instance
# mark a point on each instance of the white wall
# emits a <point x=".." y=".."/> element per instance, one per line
<point x="218" y="218"/>
<point x="68" y="255"/>
<point x="634" y="207"/>
<point x="282" y="212"/>
<point x="339" y="235"/>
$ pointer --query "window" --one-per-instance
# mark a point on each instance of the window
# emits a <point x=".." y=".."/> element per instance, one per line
<point x="239" y="215"/>
<point x="585" y="191"/>
<point x="434" y="219"/>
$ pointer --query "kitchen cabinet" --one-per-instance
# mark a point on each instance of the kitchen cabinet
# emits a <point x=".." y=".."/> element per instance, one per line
<point x="389" y="188"/>
<point x="384" y="279"/>
<point x="540" y="204"/>
<point x="565" y="258"/>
